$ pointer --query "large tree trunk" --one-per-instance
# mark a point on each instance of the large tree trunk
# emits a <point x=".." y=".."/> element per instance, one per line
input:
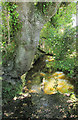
<point x="28" y="37"/>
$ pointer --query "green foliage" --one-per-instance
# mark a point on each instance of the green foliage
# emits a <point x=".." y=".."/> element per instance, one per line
<point x="10" y="91"/>
<point x="10" y="25"/>
<point x="64" y="14"/>
<point x="67" y="65"/>
<point x="59" y="43"/>
<point x="9" y="12"/>
<point x="43" y="6"/>
<point x="58" y="37"/>
<point x="8" y="51"/>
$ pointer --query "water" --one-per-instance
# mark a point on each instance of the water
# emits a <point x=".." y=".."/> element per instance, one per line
<point x="51" y="83"/>
<point x="45" y="84"/>
<point x="40" y="80"/>
<point x="58" y="83"/>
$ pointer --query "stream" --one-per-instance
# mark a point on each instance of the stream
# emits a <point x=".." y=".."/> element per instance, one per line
<point x="47" y="94"/>
<point x="46" y="80"/>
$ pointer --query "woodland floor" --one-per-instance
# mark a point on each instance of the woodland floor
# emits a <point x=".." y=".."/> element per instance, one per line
<point x="42" y="106"/>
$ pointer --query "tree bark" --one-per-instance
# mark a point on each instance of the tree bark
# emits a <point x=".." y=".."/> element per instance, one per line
<point x="28" y="37"/>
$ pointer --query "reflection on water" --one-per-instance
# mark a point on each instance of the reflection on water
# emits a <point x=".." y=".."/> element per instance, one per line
<point x="51" y="83"/>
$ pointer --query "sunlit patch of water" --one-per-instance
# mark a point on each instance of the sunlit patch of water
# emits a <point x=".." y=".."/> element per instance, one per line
<point x="58" y="83"/>
<point x="52" y="83"/>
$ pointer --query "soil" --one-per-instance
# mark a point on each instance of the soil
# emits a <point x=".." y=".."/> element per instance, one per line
<point x="40" y="106"/>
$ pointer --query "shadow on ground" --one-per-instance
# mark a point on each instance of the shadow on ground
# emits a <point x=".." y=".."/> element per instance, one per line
<point x="40" y="106"/>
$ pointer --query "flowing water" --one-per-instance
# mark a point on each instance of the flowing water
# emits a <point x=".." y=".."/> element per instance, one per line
<point x="49" y="82"/>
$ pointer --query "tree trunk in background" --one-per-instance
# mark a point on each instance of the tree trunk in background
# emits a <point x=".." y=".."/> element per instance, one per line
<point x="28" y="37"/>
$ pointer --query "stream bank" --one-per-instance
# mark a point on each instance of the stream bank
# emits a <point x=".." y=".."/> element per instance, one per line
<point x="51" y="106"/>
<point x="34" y="103"/>
<point x="40" y="106"/>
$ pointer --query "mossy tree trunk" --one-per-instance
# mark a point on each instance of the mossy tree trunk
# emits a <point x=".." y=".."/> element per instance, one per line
<point x="33" y="18"/>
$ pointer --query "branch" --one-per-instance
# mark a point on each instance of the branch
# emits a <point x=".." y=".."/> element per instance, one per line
<point x="45" y="52"/>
